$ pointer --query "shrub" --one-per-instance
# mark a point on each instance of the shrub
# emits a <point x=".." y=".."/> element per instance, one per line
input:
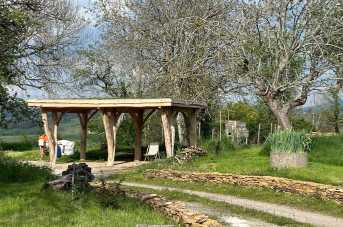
<point x="218" y="147"/>
<point x="265" y="151"/>
<point x="108" y="197"/>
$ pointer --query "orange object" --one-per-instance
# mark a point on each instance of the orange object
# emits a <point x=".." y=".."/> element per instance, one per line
<point x="43" y="143"/>
<point x="44" y="137"/>
<point x="42" y="152"/>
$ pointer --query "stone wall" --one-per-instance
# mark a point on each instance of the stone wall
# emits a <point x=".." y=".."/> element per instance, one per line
<point x="325" y="192"/>
<point x="171" y="208"/>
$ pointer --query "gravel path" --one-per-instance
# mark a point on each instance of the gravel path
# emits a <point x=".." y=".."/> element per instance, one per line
<point x="283" y="211"/>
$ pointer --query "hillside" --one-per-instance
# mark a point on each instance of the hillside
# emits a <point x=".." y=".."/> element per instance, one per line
<point x="68" y="129"/>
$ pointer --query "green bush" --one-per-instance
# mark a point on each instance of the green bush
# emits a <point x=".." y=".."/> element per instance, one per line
<point x="290" y="141"/>
<point x="13" y="171"/>
<point x="218" y="147"/>
<point x="265" y="151"/>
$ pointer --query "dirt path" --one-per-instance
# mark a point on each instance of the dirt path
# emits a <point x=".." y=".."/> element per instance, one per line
<point x="58" y="168"/>
<point x="282" y="211"/>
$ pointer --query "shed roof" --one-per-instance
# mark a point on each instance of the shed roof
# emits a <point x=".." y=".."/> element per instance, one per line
<point x="78" y="105"/>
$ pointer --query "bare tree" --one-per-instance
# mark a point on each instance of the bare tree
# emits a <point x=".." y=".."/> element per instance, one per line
<point x="281" y="47"/>
<point x="46" y="54"/>
<point x="177" y="44"/>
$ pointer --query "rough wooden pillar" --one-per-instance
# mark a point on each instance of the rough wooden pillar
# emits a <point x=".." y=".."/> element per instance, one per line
<point x="171" y="118"/>
<point x="138" y="139"/>
<point x="167" y="132"/>
<point x="54" y="132"/>
<point x="109" y="137"/>
<point x="139" y="121"/>
<point x="83" y="117"/>
<point x="168" y="121"/>
<point x="50" y="137"/>
<point x="114" y="127"/>
<point x="83" y="122"/>
<point x="192" y="127"/>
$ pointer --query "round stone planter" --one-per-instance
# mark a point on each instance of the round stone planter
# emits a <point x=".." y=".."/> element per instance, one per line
<point x="287" y="160"/>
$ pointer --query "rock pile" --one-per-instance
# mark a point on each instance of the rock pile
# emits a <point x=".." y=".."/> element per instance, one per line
<point x="82" y="175"/>
<point x="325" y="192"/>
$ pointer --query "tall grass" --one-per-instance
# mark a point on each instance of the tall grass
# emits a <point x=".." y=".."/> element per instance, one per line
<point x="327" y="150"/>
<point x="218" y="146"/>
<point x="13" y="171"/>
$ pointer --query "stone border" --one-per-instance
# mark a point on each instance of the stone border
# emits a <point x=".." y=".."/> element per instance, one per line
<point x="171" y="208"/>
<point x="323" y="191"/>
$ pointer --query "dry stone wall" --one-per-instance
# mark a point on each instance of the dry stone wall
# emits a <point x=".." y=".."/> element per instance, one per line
<point x="325" y="192"/>
<point x="171" y="208"/>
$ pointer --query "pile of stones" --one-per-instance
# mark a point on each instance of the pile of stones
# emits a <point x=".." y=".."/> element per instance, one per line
<point x="316" y="190"/>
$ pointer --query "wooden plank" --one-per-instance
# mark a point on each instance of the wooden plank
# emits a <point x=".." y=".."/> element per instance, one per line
<point x="93" y="103"/>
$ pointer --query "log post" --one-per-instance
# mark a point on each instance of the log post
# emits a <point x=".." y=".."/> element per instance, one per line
<point x="83" y="118"/>
<point x="48" y="133"/>
<point x="168" y="121"/>
<point x="109" y="137"/>
<point x="83" y="122"/>
<point x="114" y="127"/>
<point x="167" y="132"/>
<point x="138" y="139"/>
<point x="171" y="118"/>
<point x="192" y="127"/>
<point x="54" y="132"/>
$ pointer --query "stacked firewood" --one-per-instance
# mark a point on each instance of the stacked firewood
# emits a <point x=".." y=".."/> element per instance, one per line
<point x="189" y="153"/>
<point x="78" y="174"/>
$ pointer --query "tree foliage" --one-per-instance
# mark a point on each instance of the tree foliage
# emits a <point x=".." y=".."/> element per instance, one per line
<point x="282" y="46"/>
<point x="176" y="44"/>
<point x="37" y="39"/>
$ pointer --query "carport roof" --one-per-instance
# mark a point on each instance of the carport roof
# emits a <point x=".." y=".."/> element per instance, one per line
<point x="79" y="105"/>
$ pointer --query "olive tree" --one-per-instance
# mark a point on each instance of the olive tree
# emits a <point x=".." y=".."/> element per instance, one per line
<point x="285" y="49"/>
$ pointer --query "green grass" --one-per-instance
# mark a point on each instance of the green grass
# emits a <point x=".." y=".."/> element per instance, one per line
<point x="26" y="205"/>
<point x="249" y="162"/>
<point x="23" y="203"/>
<point x="223" y="207"/>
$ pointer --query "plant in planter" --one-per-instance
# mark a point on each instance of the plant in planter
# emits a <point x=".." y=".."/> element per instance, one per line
<point x="288" y="149"/>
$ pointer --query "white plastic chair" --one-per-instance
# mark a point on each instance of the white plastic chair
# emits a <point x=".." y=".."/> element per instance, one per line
<point x="152" y="150"/>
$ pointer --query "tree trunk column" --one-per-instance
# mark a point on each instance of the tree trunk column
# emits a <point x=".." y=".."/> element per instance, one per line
<point x="83" y="123"/>
<point x="192" y="127"/>
<point x="50" y="137"/>
<point x="114" y="120"/>
<point x="109" y="137"/>
<point x="168" y="121"/>
<point x="138" y="140"/>
<point x="54" y="132"/>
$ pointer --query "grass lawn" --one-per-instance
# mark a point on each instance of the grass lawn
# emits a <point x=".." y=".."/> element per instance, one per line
<point x="26" y="205"/>
<point x="23" y="203"/>
<point x="325" y="166"/>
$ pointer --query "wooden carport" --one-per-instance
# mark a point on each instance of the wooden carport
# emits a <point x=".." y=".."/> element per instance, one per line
<point x="111" y="109"/>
